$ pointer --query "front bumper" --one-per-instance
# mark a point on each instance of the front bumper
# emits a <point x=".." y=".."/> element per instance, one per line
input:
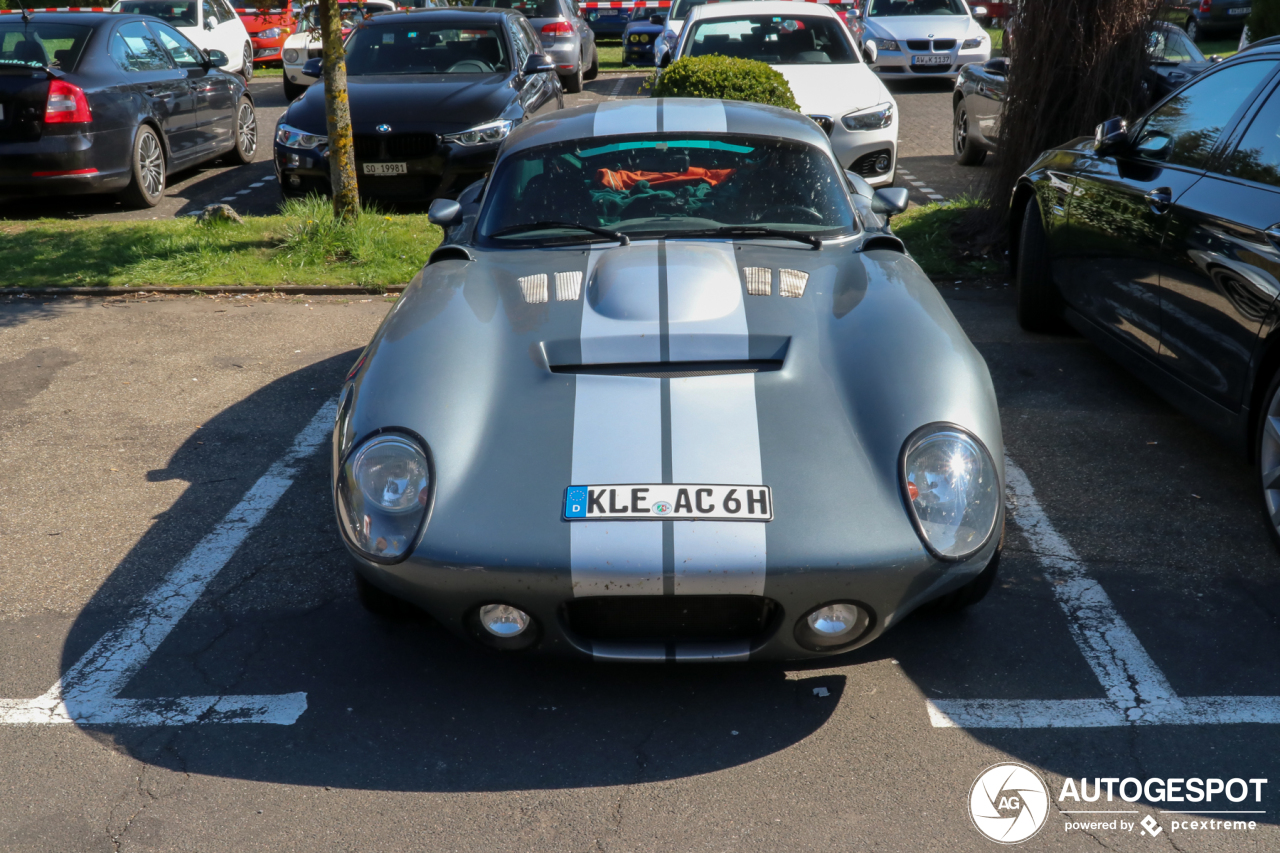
<point x="888" y="587"/>
<point x="267" y="50"/>
<point x="892" y="64"/>
<point x="66" y="163"/>
<point x="637" y="54"/>
<point x="564" y="53"/>
<point x="862" y="151"/>
<point x="293" y="73"/>
<point x="443" y="172"/>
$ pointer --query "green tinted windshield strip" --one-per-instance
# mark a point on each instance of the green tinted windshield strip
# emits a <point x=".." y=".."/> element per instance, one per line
<point x="714" y="144"/>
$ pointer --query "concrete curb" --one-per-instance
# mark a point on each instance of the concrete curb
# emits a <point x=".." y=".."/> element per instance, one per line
<point x="288" y="290"/>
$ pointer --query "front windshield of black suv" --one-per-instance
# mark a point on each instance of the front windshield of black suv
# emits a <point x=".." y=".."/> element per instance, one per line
<point x="653" y="185"/>
<point x="426" y="48"/>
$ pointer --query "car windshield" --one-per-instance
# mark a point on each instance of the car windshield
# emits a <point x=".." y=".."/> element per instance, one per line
<point x="352" y="14"/>
<point x="178" y="14"/>
<point x="415" y="47"/>
<point x="680" y="9"/>
<point x="40" y="44"/>
<point x="773" y="39"/>
<point x="651" y="186"/>
<point x="900" y="8"/>
<point x="1173" y="45"/>
<point x="530" y="8"/>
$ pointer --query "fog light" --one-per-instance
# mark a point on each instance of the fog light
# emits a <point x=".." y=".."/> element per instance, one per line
<point x="832" y="626"/>
<point x="882" y="163"/>
<point x="295" y="181"/>
<point x="503" y="620"/>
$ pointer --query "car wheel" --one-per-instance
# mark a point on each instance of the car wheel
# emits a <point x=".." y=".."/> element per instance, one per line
<point x="1193" y="29"/>
<point x="968" y="153"/>
<point x="378" y="601"/>
<point x="246" y="70"/>
<point x="293" y="91"/>
<point x="147" y="187"/>
<point x="975" y="590"/>
<point x="594" y="70"/>
<point x="246" y="133"/>
<point x="573" y="85"/>
<point x="1268" y="445"/>
<point x="1039" y="302"/>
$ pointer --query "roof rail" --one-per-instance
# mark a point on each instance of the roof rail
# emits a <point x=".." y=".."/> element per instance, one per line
<point x="1266" y="42"/>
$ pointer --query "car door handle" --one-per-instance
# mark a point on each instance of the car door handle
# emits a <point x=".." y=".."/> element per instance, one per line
<point x="1160" y="199"/>
<point x="1273" y="234"/>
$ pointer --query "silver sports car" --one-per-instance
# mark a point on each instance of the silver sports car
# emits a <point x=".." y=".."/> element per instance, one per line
<point x="670" y="390"/>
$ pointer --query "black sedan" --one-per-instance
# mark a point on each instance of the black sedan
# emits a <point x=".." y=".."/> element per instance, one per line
<point x="978" y="99"/>
<point x="100" y="102"/>
<point x="433" y="93"/>
<point x="1162" y="244"/>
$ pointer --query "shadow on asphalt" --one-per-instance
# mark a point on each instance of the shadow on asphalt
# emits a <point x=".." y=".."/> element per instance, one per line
<point x="403" y="704"/>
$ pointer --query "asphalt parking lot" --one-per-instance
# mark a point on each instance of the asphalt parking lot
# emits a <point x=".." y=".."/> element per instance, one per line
<point x="924" y="163"/>
<point x="1137" y="580"/>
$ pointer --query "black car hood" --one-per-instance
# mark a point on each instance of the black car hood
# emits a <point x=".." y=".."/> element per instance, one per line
<point x="437" y="103"/>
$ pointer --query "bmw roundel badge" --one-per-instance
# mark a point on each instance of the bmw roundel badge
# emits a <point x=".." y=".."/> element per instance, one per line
<point x="383" y="128"/>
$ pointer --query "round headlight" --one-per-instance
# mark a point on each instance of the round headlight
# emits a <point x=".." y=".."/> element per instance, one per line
<point x="291" y="56"/>
<point x="952" y="489"/>
<point x="832" y="627"/>
<point x="392" y="473"/>
<point x="503" y="620"/>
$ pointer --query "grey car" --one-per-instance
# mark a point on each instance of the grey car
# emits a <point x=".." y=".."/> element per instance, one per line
<point x="566" y="37"/>
<point x="670" y="389"/>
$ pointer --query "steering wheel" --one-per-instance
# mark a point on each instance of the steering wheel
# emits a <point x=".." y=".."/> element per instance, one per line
<point x="806" y="214"/>
<point x="474" y="65"/>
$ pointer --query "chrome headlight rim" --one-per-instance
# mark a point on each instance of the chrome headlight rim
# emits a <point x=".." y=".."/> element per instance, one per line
<point x="272" y="33"/>
<point x="973" y="43"/>
<point x="338" y="481"/>
<point x="885" y="44"/>
<point x="915" y="439"/>
<point x="290" y="56"/>
<point x="487" y="133"/>
<point x="884" y="109"/>
<point x="292" y="137"/>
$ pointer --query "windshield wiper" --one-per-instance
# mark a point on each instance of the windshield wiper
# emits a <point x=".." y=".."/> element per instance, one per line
<point x="622" y="239"/>
<point x="755" y="231"/>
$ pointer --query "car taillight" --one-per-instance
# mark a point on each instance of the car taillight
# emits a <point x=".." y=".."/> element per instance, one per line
<point x="559" y="28"/>
<point x="1204" y="6"/>
<point x="67" y="104"/>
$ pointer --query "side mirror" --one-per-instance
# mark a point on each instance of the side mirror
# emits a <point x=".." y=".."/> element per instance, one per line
<point x="979" y="11"/>
<point x="444" y="212"/>
<point x="657" y="20"/>
<point x="313" y="67"/>
<point x="537" y="63"/>
<point x="871" y="52"/>
<point x="210" y="24"/>
<point x="666" y="59"/>
<point x="1215" y="58"/>
<point x="216" y="58"/>
<point x="1153" y="146"/>
<point x="1111" y="135"/>
<point x="998" y="67"/>
<point x="890" y="202"/>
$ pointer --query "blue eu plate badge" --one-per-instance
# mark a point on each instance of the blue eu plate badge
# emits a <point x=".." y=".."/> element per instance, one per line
<point x="575" y="503"/>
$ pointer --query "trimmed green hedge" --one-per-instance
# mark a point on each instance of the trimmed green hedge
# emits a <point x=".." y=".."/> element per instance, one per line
<point x="727" y="78"/>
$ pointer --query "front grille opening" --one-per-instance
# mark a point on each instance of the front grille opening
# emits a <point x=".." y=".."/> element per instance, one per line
<point x="917" y="44"/>
<point x="873" y="164"/>
<point x="671" y="369"/>
<point x="671" y="618"/>
<point x="943" y="45"/>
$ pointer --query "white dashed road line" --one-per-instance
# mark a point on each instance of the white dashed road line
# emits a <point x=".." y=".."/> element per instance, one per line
<point x="88" y="693"/>
<point x="1137" y="692"/>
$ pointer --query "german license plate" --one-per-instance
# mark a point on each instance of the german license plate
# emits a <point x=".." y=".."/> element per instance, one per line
<point x="678" y="501"/>
<point x="386" y="169"/>
<point x="1240" y="10"/>
<point x="931" y="60"/>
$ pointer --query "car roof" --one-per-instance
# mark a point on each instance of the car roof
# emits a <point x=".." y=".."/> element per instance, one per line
<point x="66" y="17"/>
<point x="641" y="115"/>
<point x="469" y="13"/>
<point x="761" y="7"/>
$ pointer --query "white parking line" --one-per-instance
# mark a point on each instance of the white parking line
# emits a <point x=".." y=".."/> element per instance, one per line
<point x="244" y="192"/>
<point x="258" y="184"/>
<point x="1137" y="691"/>
<point x="916" y="183"/>
<point x="88" y="692"/>
<point x="230" y="198"/>
<point x="935" y="196"/>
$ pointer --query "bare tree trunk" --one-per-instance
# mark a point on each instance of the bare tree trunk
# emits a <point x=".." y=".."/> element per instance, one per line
<point x="1074" y="63"/>
<point x="342" y="156"/>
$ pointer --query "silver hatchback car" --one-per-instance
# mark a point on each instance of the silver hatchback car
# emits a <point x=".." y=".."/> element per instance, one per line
<point x="565" y="35"/>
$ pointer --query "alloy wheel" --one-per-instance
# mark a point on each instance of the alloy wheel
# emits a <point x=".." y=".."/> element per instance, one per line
<point x="247" y="130"/>
<point x="246" y="70"/>
<point x="961" y="134"/>
<point x="151" y="165"/>
<point x="1269" y="459"/>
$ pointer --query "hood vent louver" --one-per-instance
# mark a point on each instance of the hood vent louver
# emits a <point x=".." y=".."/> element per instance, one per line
<point x="671" y="369"/>
<point x="759" y="280"/>
<point x="568" y="286"/>
<point x="792" y="282"/>
<point x="534" y="287"/>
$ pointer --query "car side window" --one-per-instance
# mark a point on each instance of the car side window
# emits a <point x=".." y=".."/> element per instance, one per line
<point x="518" y="44"/>
<point x="226" y="10"/>
<point x="211" y="11"/>
<point x="1257" y="157"/>
<point x="134" y="48"/>
<point x="186" y="54"/>
<point x="531" y="41"/>
<point x="1194" y="119"/>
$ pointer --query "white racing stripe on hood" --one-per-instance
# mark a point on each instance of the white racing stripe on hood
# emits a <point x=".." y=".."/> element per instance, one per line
<point x="707" y="317"/>
<point x="699" y="116"/>
<point x="615" y="118"/>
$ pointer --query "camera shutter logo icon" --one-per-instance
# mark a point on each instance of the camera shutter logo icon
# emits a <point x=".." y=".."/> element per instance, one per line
<point x="1008" y="803"/>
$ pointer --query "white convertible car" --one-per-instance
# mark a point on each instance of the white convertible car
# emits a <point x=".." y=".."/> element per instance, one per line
<point x="811" y="46"/>
<point x="922" y="37"/>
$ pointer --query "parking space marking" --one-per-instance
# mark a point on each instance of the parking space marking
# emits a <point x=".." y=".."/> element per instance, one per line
<point x="1137" y="691"/>
<point x="87" y="693"/>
